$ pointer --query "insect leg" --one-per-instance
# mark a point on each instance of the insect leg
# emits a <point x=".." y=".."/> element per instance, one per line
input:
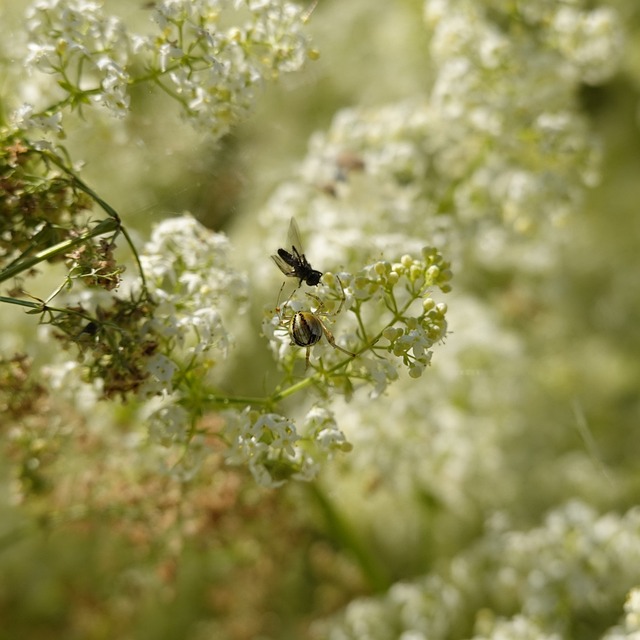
<point x="332" y="341"/>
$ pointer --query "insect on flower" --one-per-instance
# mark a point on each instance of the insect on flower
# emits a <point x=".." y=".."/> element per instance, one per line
<point x="306" y="328"/>
<point x="292" y="261"/>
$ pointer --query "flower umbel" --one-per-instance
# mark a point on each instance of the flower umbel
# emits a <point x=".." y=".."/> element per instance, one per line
<point x="392" y="321"/>
<point x="210" y="56"/>
<point x="193" y="284"/>
<point x="275" y="450"/>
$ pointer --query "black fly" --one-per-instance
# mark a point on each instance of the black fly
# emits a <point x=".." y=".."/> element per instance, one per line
<point x="292" y="261"/>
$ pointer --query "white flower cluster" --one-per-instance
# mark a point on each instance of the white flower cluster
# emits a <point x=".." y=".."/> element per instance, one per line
<point x="209" y="55"/>
<point x="87" y="49"/>
<point x="215" y="68"/>
<point x="193" y="284"/>
<point x="24" y="117"/>
<point x="518" y="627"/>
<point x="392" y="321"/>
<point x="275" y="451"/>
<point x="450" y="450"/>
<point x="505" y="120"/>
<point x="577" y="561"/>
<point x="498" y="145"/>
<point x="591" y="41"/>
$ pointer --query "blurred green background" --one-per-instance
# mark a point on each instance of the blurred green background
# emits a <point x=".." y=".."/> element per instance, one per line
<point x="105" y="547"/>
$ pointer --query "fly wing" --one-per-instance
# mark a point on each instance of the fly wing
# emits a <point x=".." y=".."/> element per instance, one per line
<point x="293" y="238"/>
<point x="287" y="269"/>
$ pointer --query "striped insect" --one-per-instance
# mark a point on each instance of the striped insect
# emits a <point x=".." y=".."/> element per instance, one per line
<point x="306" y="328"/>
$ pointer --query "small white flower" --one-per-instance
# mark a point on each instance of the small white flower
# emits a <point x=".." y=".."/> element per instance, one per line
<point x="23" y="118"/>
<point x="43" y="57"/>
<point x="320" y="425"/>
<point x="167" y="52"/>
<point x="114" y="96"/>
<point x="161" y="370"/>
<point x="169" y="424"/>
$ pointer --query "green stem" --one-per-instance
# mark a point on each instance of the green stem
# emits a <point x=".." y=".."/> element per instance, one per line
<point x="294" y="388"/>
<point x="104" y="226"/>
<point x="105" y="206"/>
<point x="23" y="303"/>
<point x="232" y="400"/>
<point x="347" y="536"/>
<point x="280" y="395"/>
<point x="42" y="306"/>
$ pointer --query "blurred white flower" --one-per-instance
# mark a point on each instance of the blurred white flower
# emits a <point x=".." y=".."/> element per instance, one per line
<point x="320" y="425"/>
<point x="497" y="149"/>
<point x="264" y="442"/>
<point x="591" y="40"/>
<point x="168" y="424"/>
<point x="190" y="275"/>
<point x="24" y="119"/>
<point x="546" y="574"/>
<point x="632" y="611"/>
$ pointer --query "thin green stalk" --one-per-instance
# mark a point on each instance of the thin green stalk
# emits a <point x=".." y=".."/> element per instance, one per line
<point x="232" y="400"/>
<point x="104" y="226"/>
<point x="106" y="207"/>
<point x="346" y="535"/>
<point x="22" y="303"/>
